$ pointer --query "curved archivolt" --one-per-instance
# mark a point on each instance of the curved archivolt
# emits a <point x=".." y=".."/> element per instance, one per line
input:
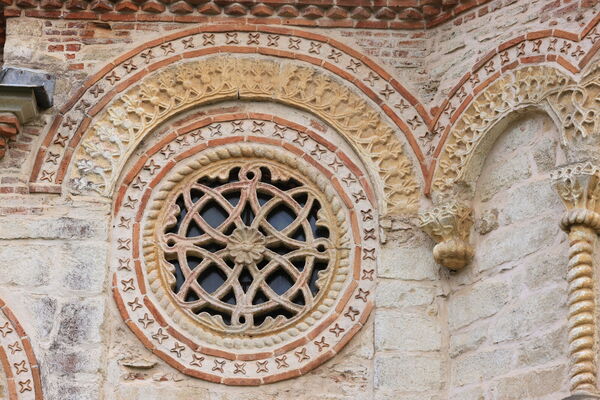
<point x="573" y="106"/>
<point x="19" y="364"/>
<point x="115" y="132"/>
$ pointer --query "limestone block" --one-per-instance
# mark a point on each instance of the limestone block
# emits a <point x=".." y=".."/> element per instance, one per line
<point x="80" y="321"/>
<point x="407" y="331"/>
<point x="481" y="366"/>
<point x="159" y="391"/>
<point x="467" y="341"/>
<point x="547" y="267"/>
<point x="408" y="373"/>
<point x="502" y="174"/>
<point x="44" y="308"/>
<point x="473" y="393"/>
<point x="75" y="388"/>
<point x="27" y="265"/>
<point x="512" y="243"/>
<point x="531" y="385"/>
<point x="551" y="346"/>
<point x="528" y="201"/>
<point x="17" y="227"/>
<point x="84" y="266"/>
<point x="397" y="294"/>
<point x="478" y="301"/>
<point x="66" y="360"/>
<point x="530" y="314"/>
<point x="414" y="263"/>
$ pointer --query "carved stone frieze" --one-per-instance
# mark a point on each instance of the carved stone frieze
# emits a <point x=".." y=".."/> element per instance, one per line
<point x="450" y="225"/>
<point x="115" y="132"/>
<point x="578" y="187"/>
<point x="573" y="105"/>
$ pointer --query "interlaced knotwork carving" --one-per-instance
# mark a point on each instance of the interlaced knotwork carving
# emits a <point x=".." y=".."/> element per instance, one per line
<point x="249" y="248"/>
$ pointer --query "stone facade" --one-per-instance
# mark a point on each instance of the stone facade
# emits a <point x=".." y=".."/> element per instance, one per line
<point x="437" y="163"/>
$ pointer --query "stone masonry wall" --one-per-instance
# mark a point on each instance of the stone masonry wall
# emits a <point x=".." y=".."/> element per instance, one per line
<point x="494" y="331"/>
<point x="506" y="312"/>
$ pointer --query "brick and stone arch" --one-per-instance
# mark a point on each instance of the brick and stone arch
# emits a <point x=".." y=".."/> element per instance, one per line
<point x="341" y="105"/>
<point x="568" y="98"/>
<point x="255" y="299"/>
<point x="20" y="370"/>
<point x="232" y="203"/>
<point x="567" y="92"/>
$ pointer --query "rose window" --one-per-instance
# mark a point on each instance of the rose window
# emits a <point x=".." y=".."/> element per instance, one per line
<point x="244" y="262"/>
<point x="248" y="247"/>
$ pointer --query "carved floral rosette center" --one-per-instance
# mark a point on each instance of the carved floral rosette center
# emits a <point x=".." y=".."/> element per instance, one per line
<point x="241" y="261"/>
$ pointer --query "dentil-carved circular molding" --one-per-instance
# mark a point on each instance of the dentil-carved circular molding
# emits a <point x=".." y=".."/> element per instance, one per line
<point x="244" y="251"/>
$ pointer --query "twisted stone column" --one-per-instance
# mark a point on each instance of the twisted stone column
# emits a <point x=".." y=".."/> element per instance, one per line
<point x="578" y="188"/>
<point x="450" y="226"/>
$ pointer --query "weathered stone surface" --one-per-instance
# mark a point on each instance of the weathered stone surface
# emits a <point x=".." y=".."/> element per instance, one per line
<point x="482" y="300"/>
<point x="84" y="267"/>
<point x="530" y="385"/>
<point x="403" y="330"/>
<point x="419" y="373"/>
<point x="481" y="366"/>
<point x="28" y="265"/>
<point x="529" y="315"/>
<point x="469" y="340"/>
<point x="414" y="263"/>
<point x="52" y="228"/>
<point x="542" y="349"/>
<point x="398" y="294"/>
<point x="512" y="243"/>
<point x="79" y="322"/>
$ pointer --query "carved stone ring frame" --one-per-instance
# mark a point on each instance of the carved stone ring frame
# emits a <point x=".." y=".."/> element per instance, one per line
<point x="201" y="345"/>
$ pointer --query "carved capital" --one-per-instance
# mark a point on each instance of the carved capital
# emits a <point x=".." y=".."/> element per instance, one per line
<point x="578" y="187"/>
<point x="450" y="225"/>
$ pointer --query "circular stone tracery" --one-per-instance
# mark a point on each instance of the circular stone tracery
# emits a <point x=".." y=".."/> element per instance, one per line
<point x="247" y="246"/>
<point x="244" y="258"/>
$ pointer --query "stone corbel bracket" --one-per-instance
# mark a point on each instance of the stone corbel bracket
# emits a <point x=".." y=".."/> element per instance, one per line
<point x="22" y="94"/>
<point x="450" y="226"/>
<point x="578" y="186"/>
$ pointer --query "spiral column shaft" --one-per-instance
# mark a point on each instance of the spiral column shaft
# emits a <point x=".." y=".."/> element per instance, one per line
<point x="581" y="303"/>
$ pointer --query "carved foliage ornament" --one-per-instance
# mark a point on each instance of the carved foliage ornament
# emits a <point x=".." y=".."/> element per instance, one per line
<point x="242" y="263"/>
<point x="128" y="119"/>
<point x="450" y="226"/>
<point x="575" y="105"/>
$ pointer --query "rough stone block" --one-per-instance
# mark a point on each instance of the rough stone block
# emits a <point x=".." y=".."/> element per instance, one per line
<point x="414" y="263"/>
<point x="80" y="321"/>
<point x="398" y="294"/>
<point x="479" y="301"/>
<point x="408" y="373"/>
<point x="531" y="385"/>
<point x="530" y="315"/>
<point x="407" y="331"/>
<point x="481" y="366"/>
<point x="513" y="243"/>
